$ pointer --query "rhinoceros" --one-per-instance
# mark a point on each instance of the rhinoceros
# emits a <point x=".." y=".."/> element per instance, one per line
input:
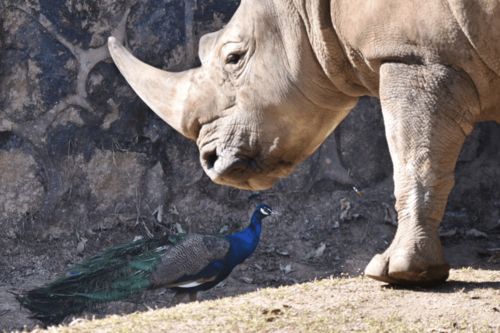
<point x="282" y="74"/>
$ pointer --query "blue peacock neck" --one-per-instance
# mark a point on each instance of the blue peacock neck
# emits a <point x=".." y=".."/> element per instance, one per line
<point x="244" y="243"/>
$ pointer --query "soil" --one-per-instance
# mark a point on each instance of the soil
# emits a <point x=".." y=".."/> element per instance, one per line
<point x="469" y="302"/>
<point x="296" y="246"/>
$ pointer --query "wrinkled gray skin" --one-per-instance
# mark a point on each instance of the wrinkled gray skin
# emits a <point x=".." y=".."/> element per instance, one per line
<point x="278" y="79"/>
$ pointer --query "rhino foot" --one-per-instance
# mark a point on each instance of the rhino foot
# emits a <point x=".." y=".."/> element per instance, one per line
<point x="403" y="270"/>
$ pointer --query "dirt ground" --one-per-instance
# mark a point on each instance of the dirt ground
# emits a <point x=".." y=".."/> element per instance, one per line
<point x="296" y="247"/>
<point x="469" y="302"/>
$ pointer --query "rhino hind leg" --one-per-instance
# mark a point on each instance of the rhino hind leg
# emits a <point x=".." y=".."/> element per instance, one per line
<point x="428" y="111"/>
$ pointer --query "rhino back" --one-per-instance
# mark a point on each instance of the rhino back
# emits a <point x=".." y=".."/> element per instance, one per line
<point x="480" y="21"/>
<point x="460" y="33"/>
<point x="378" y="31"/>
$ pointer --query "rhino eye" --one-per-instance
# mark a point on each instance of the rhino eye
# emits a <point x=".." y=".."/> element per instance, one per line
<point x="234" y="58"/>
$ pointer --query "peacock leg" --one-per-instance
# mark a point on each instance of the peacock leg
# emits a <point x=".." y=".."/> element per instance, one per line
<point x="181" y="297"/>
<point x="193" y="296"/>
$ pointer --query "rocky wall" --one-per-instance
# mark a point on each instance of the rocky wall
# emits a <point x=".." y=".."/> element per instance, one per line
<point x="78" y="148"/>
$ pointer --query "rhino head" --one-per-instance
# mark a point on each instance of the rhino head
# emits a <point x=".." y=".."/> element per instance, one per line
<point x="258" y="105"/>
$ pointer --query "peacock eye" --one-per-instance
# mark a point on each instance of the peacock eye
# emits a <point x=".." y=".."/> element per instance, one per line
<point x="265" y="211"/>
<point x="234" y="58"/>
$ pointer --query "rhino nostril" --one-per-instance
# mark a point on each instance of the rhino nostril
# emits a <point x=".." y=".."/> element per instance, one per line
<point x="210" y="158"/>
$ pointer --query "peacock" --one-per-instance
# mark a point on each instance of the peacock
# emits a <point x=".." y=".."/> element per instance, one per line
<point x="186" y="263"/>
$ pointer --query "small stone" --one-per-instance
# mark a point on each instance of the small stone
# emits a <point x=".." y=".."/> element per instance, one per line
<point x="358" y="192"/>
<point x="283" y="253"/>
<point x="476" y="233"/>
<point x="247" y="279"/>
<point x="6" y="125"/>
<point x="448" y="233"/>
<point x="320" y="250"/>
<point x="345" y="210"/>
<point x="269" y="249"/>
<point x="179" y="229"/>
<point x="158" y="213"/>
<point x="494" y="250"/>
<point x="316" y="253"/>
<point x="81" y="245"/>
<point x="286" y="269"/>
<point x="173" y="210"/>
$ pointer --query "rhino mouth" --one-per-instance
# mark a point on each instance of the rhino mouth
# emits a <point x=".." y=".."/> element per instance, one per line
<point x="234" y="155"/>
<point x="233" y="168"/>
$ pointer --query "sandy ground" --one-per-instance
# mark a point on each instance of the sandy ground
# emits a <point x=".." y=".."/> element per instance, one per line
<point x="470" y="302"/>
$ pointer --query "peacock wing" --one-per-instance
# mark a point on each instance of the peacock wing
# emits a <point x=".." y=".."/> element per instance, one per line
<point x="193" y="255"/>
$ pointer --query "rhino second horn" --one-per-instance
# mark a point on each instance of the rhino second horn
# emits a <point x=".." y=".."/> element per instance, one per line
<point x="164" y="92"/>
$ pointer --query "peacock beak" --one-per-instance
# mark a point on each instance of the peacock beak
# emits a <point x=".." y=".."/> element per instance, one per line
<point x="275" y="213"/>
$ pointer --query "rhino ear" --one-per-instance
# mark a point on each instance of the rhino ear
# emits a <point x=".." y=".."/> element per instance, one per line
<point x="165" y="93"/>
<point x="207" y="45"/>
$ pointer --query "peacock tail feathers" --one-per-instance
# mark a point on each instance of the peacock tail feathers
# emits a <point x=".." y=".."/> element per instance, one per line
<point x="112" y="275"/>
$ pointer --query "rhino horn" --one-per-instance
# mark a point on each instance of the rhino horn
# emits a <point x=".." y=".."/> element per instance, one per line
<point x="164" y="92"/>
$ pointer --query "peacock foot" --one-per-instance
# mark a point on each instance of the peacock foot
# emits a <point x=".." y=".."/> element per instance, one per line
<point x="407" y="269"/>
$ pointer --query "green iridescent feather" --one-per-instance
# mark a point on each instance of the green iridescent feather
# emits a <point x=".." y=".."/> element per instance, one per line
<point x="111" y="275"/>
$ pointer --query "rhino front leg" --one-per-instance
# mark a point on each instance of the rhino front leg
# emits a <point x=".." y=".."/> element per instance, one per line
<point x="428" y="111"/>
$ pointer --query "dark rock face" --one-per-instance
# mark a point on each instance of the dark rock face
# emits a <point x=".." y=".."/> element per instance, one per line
<point x="67" y="112"/>
<point x="84" y="164"/>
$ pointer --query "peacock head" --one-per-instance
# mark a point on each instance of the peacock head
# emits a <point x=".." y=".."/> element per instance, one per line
<point x="263" y="211"/>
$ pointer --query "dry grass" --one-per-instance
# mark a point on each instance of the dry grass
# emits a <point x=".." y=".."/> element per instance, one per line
<point x="470" y="302"/>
